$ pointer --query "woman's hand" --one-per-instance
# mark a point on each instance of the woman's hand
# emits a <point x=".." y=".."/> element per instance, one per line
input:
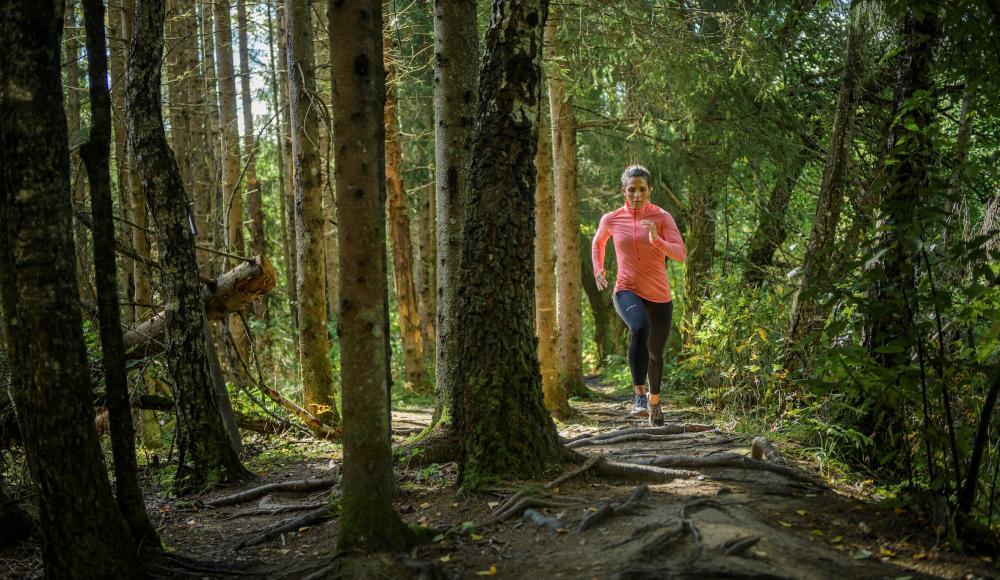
<point x="601" y="279"/>
<point x="651" y="228"/>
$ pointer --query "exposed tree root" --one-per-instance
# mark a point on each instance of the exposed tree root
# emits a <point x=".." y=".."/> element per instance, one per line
<point x="632" y="437"/>
<point x="266" y="508"/>
<point x="667" y="429"/>
<point x="738" y="546"/>
<point x="287" y="525"/>
<point x="629" y="505"/>
<point x="639" y="472"/>
<point x="763" y="450"/>
<point x="730" y="459"/>
<point x="176" y="565"/>
<point x="435" y="445"/>
<point x="283" y="486"/>
<point x="587" y="465"/>
<point x="524" y="503"/>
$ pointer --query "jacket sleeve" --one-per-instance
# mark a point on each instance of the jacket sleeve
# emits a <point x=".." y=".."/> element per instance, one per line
<point x="597" y="246"/>
<point x="669" y="240"/>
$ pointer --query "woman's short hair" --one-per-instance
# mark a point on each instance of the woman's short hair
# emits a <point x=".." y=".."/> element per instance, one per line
<point x="635" y="171"/>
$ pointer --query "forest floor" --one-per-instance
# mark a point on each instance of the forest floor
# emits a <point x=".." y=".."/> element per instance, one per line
<point x="723" y="522"/>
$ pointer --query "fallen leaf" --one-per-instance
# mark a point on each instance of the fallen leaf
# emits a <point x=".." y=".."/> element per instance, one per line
<point x="425" y="505"/>
<point x="861" y="554"/>
<point x="454" y="504"/>
<point x="920" y="556"/>
<point x="445" y="558"/>
<point x="562" y="530"/>
<point x="785" y="524"/>
<point x="760" y="553"/>
<point x="476" y="537"/>
<point x="438" y="538"/>
<point x="886" y="551"/>
<point x="491" y="572"/>
<point x="801" y="512"/>
<point x="836" y="539"/>
<point x="817" y="533"/>
<point x="492" y="504"/>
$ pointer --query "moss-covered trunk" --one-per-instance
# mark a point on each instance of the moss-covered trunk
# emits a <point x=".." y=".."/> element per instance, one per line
<point x="314" y="343"/>
<point x="500" y="417"/>
<point x="84" y="535"/>
<point x="206" y="456"/>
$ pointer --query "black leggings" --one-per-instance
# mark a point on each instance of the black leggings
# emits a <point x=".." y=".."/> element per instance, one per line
<point x="649" y="324"/>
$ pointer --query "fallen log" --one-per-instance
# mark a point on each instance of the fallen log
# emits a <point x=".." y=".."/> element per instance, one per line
<point x="227" y="293"/>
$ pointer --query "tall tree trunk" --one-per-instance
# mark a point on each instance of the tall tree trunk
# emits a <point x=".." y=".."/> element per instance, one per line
<point x="206" y="455"/>
<point x="232" y="195"/>
<point x="402" y="247"/>
<point x="180" y="109"/>
<point x="501" y="419"/>
<point x="142" y="287"/>
<point x="807" y="316"/>
<point x="456" y="44"/>
<point x="118" y="41"/>
<point x="567" y="223"/>
<point x="72" y="59"/>
<point x="200" y="126"/>
<point x="255" y="208"/>
<point x="367" y="518"/>
<point x="96" y="155"/>
<point x="426" y="262"/>
<point x="286" y="146"/>
<point x="545" y="270"/>
<point x="83" y="533"/>
<point x="277" y="101"/>
<point x="210" y="264"/>
<point x="314" y="346"/>
<point x="889" y="317"/>
<point x="331" y="266"/>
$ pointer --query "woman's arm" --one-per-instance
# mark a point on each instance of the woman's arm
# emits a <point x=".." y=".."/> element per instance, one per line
<point x="597" y="246"/>
<point x="669" y="240"/>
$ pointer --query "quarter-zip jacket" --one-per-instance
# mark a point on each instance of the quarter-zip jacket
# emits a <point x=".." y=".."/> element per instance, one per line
<point x="642" y="266"/>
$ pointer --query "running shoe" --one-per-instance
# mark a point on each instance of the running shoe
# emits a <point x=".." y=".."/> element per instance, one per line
<point x="640" y="407"/>
<point x="655" y="415"/>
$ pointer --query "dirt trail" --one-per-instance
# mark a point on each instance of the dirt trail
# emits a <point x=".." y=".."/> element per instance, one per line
<point x="720" y="523"/>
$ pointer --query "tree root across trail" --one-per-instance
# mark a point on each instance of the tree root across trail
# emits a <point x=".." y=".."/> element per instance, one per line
<point x="684" y="500"/>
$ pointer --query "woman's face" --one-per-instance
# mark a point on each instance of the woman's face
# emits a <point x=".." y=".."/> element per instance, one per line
<point x="636" y="191"/>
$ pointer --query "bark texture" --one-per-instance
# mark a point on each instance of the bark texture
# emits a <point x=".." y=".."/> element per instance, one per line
<point x="402" y="245"/>
<point x="255" y="209"/>
<point x="314" y="345"/>
<point x="84" y="536"/>
<point x="501" y="419"/>
<point x="545" y="270"/>
<point x="807" y="317"/>
<point x="456" y="44"/>
<point x="567" y="223"/>
<point x="96" y="154"/>
<point x="232" y="194"/>
<point x="206" y="455"/>
<point x="367" y="518"/>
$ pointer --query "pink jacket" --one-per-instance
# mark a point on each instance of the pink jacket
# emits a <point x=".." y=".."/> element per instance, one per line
<point x="641" y="264"/>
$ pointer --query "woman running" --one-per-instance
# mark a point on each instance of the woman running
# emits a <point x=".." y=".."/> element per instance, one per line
<point x="644" y="236"/>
